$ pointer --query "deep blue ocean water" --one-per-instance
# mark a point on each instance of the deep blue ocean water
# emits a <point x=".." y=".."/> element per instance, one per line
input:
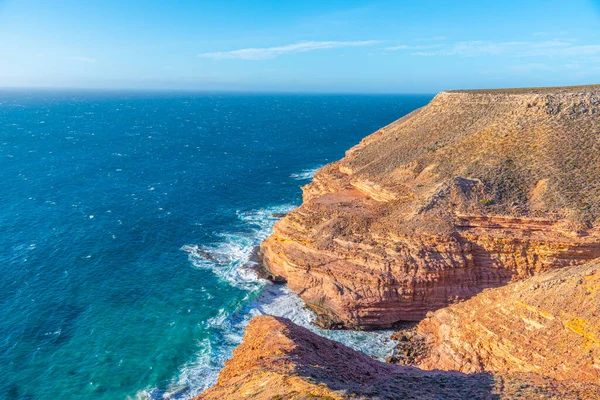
<point x="126" y="221"/>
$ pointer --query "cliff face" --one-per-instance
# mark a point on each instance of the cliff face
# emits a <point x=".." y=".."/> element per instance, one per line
<point x="472" y="191"/>
<point x="280" y="360"/>
<point x="548" y="324"/>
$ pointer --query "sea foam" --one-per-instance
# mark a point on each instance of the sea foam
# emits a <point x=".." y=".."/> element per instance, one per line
<point x="231" y="260"/>
<point x="305" y="174"/>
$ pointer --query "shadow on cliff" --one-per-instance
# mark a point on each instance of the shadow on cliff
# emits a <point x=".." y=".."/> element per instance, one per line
<point x="405" y="383"/>
<point x="322" y="361"/>
<point x="279" y="359"/>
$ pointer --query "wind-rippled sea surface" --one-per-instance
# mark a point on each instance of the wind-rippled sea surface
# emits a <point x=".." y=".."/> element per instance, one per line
<point x="126" y="221"/>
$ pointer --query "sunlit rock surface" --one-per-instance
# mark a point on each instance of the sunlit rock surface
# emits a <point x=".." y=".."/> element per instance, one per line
<point x="281" y="360"/>
<point x="473" y="191"/>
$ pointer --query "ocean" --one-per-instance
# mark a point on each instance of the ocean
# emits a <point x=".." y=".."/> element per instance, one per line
<point x="127" y="225"/>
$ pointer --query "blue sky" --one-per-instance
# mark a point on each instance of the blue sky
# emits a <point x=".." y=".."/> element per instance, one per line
<point x="309" y="46"/>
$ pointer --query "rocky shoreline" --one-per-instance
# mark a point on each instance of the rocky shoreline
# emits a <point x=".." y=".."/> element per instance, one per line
<point x="476" y="219"/>
<point x="280" y="360"/>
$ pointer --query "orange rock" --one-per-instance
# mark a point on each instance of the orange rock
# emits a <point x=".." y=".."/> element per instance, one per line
<point x="280" y="360"/>
<point x="548" y="324"/>
<point x="475" y="190"/>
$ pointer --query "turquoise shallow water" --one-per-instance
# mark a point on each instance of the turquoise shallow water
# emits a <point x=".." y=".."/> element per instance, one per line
<point x="127" y="217"/>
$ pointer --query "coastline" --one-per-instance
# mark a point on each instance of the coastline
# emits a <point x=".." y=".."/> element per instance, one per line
<point x="273" y="299"/>
<point x="410" y="228"/>
<point x="240" y="266"/>
<point x="123" y="275"/>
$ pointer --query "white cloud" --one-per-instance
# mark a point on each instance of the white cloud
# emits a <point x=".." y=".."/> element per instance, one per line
<point x="83" y="59"/>
<point x="531" y="67"/>
<point x="428" y="45"/>
<point x="431" y="39"/>
<point x="263" y="53"/>
<point x="414" y="47"/>
<point x="549" y="48"/>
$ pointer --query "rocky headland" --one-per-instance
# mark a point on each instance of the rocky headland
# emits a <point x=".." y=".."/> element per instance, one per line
<point x="473" y="220"/>
<point x="473" y="191"/>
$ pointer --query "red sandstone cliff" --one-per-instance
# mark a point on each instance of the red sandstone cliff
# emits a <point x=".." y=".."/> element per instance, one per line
<point x="475" y="190"/>
<point x="548" y="324"/>
<point x="280" y="360"/>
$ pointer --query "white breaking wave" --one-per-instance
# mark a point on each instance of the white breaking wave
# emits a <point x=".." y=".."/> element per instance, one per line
<point x="231" y="260"/>
<point x="305" y="175"/>
<point x="227" y="260"/>
<point x="230" y="257"/>
<point x="280" y="301"/>
<point x="227" y="331"/>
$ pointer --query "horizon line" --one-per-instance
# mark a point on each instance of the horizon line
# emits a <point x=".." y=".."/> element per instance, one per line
<point x="197" y="90"/>
<point x="268" y="91"/>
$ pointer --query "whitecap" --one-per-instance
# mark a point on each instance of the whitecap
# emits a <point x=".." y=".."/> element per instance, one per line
<point x="230" y="259"/>
<point x="226" y="330"/>
<point x="305" y="174"/>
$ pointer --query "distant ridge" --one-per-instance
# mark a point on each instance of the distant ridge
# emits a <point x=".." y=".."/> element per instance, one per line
<point x="533" y="90"/>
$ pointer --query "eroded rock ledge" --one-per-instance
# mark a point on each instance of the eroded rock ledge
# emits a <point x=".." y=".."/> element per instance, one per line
<point x="548" y="324"/>
<point x="280" y="360"/>
<point x="474" y="190"/>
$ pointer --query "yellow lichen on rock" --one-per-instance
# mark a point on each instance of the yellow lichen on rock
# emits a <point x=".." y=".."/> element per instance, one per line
<point x="548" y="324"/>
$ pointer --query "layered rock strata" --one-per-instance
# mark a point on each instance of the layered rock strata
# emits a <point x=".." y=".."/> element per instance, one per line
<point x="280" y="360"/>
<point x="474" y="190"/>
<point x="548" y="324"/>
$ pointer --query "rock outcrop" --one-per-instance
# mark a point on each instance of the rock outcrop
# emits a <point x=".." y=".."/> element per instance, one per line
<point x="473" y="191"/>
<point x="548" y="324"/>
<point x="280" y="360"/>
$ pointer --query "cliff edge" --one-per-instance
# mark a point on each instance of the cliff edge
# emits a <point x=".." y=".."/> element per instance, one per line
<point x="548" y="324"/>
<point x="280" y="360"/>
<point x="474" y="190"/>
